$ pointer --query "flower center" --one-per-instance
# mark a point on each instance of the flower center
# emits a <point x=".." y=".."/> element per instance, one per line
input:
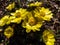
<point x="42" y="14"/>
<point x="32" y="21"/>
<point x="9" y="31"/>
<point x="18" y="14"/>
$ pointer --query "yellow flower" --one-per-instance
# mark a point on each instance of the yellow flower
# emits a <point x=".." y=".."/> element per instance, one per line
<point x="10" y="6"/>
<point x="35" y="4"/>
<point x="48" y="37"/>
<point x="19" y="14"/>
<point x="43" y="13"/>
<point x="3" y="20"/>
<point x="8" y="32"/>
<point x="31" y="23"/>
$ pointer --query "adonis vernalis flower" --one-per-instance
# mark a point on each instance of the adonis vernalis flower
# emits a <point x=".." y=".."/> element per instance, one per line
<point x="43" y="13"/>
<point x="8" y="32"/>
<point x="31" y="24"/>
<point x="48" y="37"/>
<point x="19" y="14"/>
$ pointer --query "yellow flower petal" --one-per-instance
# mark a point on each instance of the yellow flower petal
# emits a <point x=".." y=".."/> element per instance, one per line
<point x="16" y="20"/>
<point x="49" y="43"/>
<point x="10" y="19"/>
<point x="47" y="17"/>
<point x="27" y="30"/>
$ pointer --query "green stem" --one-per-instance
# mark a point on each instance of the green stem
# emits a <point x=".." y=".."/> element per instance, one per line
<point x="6" y="41"/>
<point x="19" y="2"/>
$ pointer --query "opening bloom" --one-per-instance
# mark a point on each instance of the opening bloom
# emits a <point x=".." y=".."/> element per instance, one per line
<point x="8" y="32"/>
<point x="10" y="6"/>
<point x="4" y="20"/>
<point x="35" y="4"/>
<point x="43" y="13"/>
<point x="19" y="15"/>
<point x="48" y="37"/>
<point x="31" y="23"/>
